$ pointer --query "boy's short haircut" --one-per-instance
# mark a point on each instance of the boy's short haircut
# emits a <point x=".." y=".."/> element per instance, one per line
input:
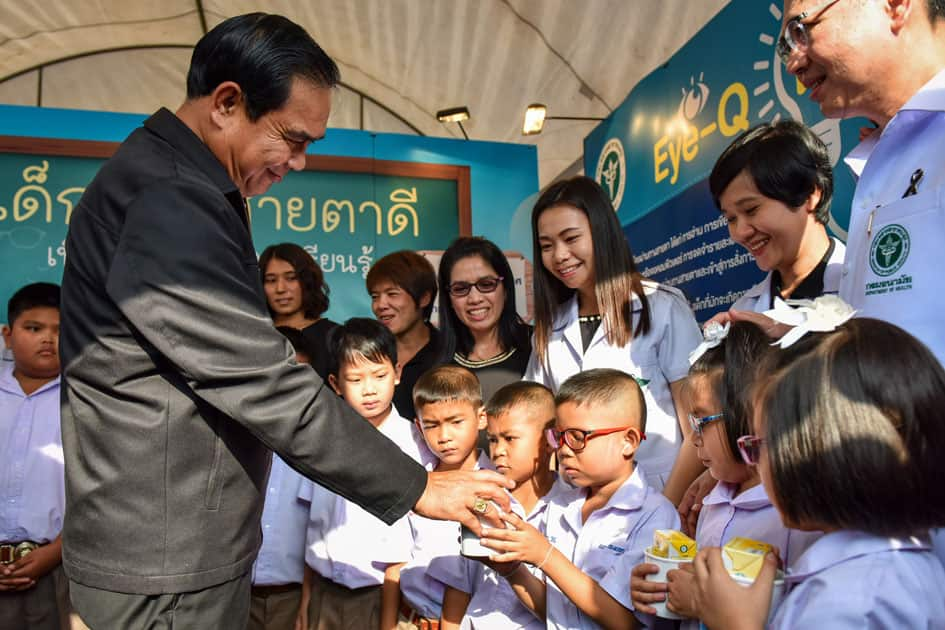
<point x="447" y="383"/>
<point x="518" y="393"/>
<point x="361" y="337"/>
<point x="853" y="422"/>
<point x="408" y="270"/>
<point x="38" y="294"/>
<point x="298" y="341"/>
<point x="601" y="386"/>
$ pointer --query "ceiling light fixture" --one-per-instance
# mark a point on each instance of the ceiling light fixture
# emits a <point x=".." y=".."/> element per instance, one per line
<point x="536" y="114"/>
<point x="456" y="115"/>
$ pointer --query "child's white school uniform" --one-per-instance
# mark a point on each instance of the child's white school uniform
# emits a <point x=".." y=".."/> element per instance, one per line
<point x="433" y="541"/>
<point x="726" y="515"/>
<point x="659" y="358"/>
<point x="493" y="604"/>
<point x="346" y="544"/>
<point x="607" y="546"/>
<point x="855" y="580"/>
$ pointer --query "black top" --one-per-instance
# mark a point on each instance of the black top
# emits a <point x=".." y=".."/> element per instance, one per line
<point x="316" y="338"/>
<point x="176" y="386"/>
<point x="495" y="373"/>
<point x="810" y="287"/>
<point x="427" y="357"/>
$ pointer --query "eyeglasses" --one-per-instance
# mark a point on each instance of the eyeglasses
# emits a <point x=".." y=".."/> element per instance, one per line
<point x="697" y="424"/>
<point x="577" y="439"/>
<point x="750" y="448"/>
<point x="483" y="285"/>
<point x="796" y="35"/>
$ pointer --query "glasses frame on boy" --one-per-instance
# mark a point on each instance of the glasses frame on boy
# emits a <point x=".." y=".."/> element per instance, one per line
<point x="697" y="424"/>
<point x="487" y="284"/>
<point x="749" y="446"/>
<point x="577" y="439"/>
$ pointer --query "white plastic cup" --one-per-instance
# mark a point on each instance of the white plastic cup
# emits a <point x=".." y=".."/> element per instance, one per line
<point x="777" y="593"/>
<point x="470" y="545"/>
<point x="665" y="565"/>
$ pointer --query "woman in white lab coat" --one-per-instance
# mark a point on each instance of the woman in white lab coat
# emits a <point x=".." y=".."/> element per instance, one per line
<point x="593" y="309"/>
<point x="774" y="184"/>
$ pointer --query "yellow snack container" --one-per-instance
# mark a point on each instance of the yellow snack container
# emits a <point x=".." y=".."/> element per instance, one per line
<point x="673" y="545"/>
<point x="744" y="557"/>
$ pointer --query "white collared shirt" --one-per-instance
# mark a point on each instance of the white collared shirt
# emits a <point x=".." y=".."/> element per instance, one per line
<point x="896" y="245"/>
<point x="855" y="580"/>
<point x="281" y="558"/>
<point x="493" y="604"/>
<point x="659" y="357"/>
<point x="758" y="298"/>
<point x="433" y="542"/>
<point x="346" y="544"/>
<point x="32" y="477"/>
<point x="607" y="546"/>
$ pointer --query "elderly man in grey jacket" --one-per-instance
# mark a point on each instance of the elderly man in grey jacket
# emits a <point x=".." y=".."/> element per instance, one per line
<point x="176" y="385"/>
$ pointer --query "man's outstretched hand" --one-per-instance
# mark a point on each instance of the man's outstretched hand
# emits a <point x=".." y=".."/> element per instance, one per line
<point x="452" y="496"/>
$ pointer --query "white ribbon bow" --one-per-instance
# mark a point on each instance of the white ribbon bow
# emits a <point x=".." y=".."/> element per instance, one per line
<point x="823" y="314"/>
<point x="713" y="334"/>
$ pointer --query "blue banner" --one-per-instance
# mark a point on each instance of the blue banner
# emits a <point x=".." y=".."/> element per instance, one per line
<point x="655" y="151"/>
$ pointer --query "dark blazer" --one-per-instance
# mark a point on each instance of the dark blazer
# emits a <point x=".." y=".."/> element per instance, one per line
<point x="176" y="385"/>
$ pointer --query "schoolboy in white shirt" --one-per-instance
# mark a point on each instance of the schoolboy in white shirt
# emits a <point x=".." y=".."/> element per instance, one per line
<point x="610" y="511"/>
<point x="32" y="479"/>
<point x="448" y="400"/>
<point x="477" y="595"/>
<point x="353" y="559"/>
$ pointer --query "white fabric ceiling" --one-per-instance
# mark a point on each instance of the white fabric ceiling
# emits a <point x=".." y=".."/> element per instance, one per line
<point x="401" y="60"/>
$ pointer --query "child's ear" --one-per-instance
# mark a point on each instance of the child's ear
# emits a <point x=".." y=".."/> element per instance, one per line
<point x="632" y="439"/>
<point x="482" y="418"/>
<point x="398" y="369"/>
<point x="7" y="333"/>
<point x="333" y="381"/>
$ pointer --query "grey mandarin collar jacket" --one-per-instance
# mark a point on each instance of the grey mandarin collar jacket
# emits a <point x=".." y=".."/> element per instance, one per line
<point x="176" y="384"/>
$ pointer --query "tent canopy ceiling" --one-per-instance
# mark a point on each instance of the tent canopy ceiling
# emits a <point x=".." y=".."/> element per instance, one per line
<point x="401" y="60"/>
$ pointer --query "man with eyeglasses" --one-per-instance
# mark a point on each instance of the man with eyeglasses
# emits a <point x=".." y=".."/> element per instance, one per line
<point x="884" y="60"/>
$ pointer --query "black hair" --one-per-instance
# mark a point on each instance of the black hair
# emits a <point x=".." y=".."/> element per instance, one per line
<point x="601" y="386"/>
<point x="297" y="340"/>
<point x="519" y="393"/>
<point x="787" y="162"/>
<point x="315" y="291"/>
<point x="854" y="431"/>
<point x="261" y="53"/>
<point x="38" y="294"/>
<point x="408" y="270"/>
<point x="936" y="9"/>
<point x="513" y="331"/>
<point x="616" y="275"/>
<point x="731" y="369"/>
<point x="361" y="337"/>
<point x="445" y="383"/>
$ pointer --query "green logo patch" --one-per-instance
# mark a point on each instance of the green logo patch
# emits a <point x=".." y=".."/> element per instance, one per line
<point x="889" y="250"/>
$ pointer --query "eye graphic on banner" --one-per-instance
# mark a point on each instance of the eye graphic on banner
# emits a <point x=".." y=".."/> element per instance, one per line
<point x="612" y="171"/>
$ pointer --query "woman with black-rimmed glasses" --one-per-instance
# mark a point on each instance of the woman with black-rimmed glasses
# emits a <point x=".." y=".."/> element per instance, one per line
<point x="480" y="327"/>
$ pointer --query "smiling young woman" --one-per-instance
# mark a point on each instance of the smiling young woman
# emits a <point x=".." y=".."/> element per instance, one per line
<point x="594" y="309"/>
<point x="297" y="297"/>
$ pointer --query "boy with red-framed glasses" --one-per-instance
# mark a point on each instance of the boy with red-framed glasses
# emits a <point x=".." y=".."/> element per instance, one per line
<point x="609" y="513"/>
